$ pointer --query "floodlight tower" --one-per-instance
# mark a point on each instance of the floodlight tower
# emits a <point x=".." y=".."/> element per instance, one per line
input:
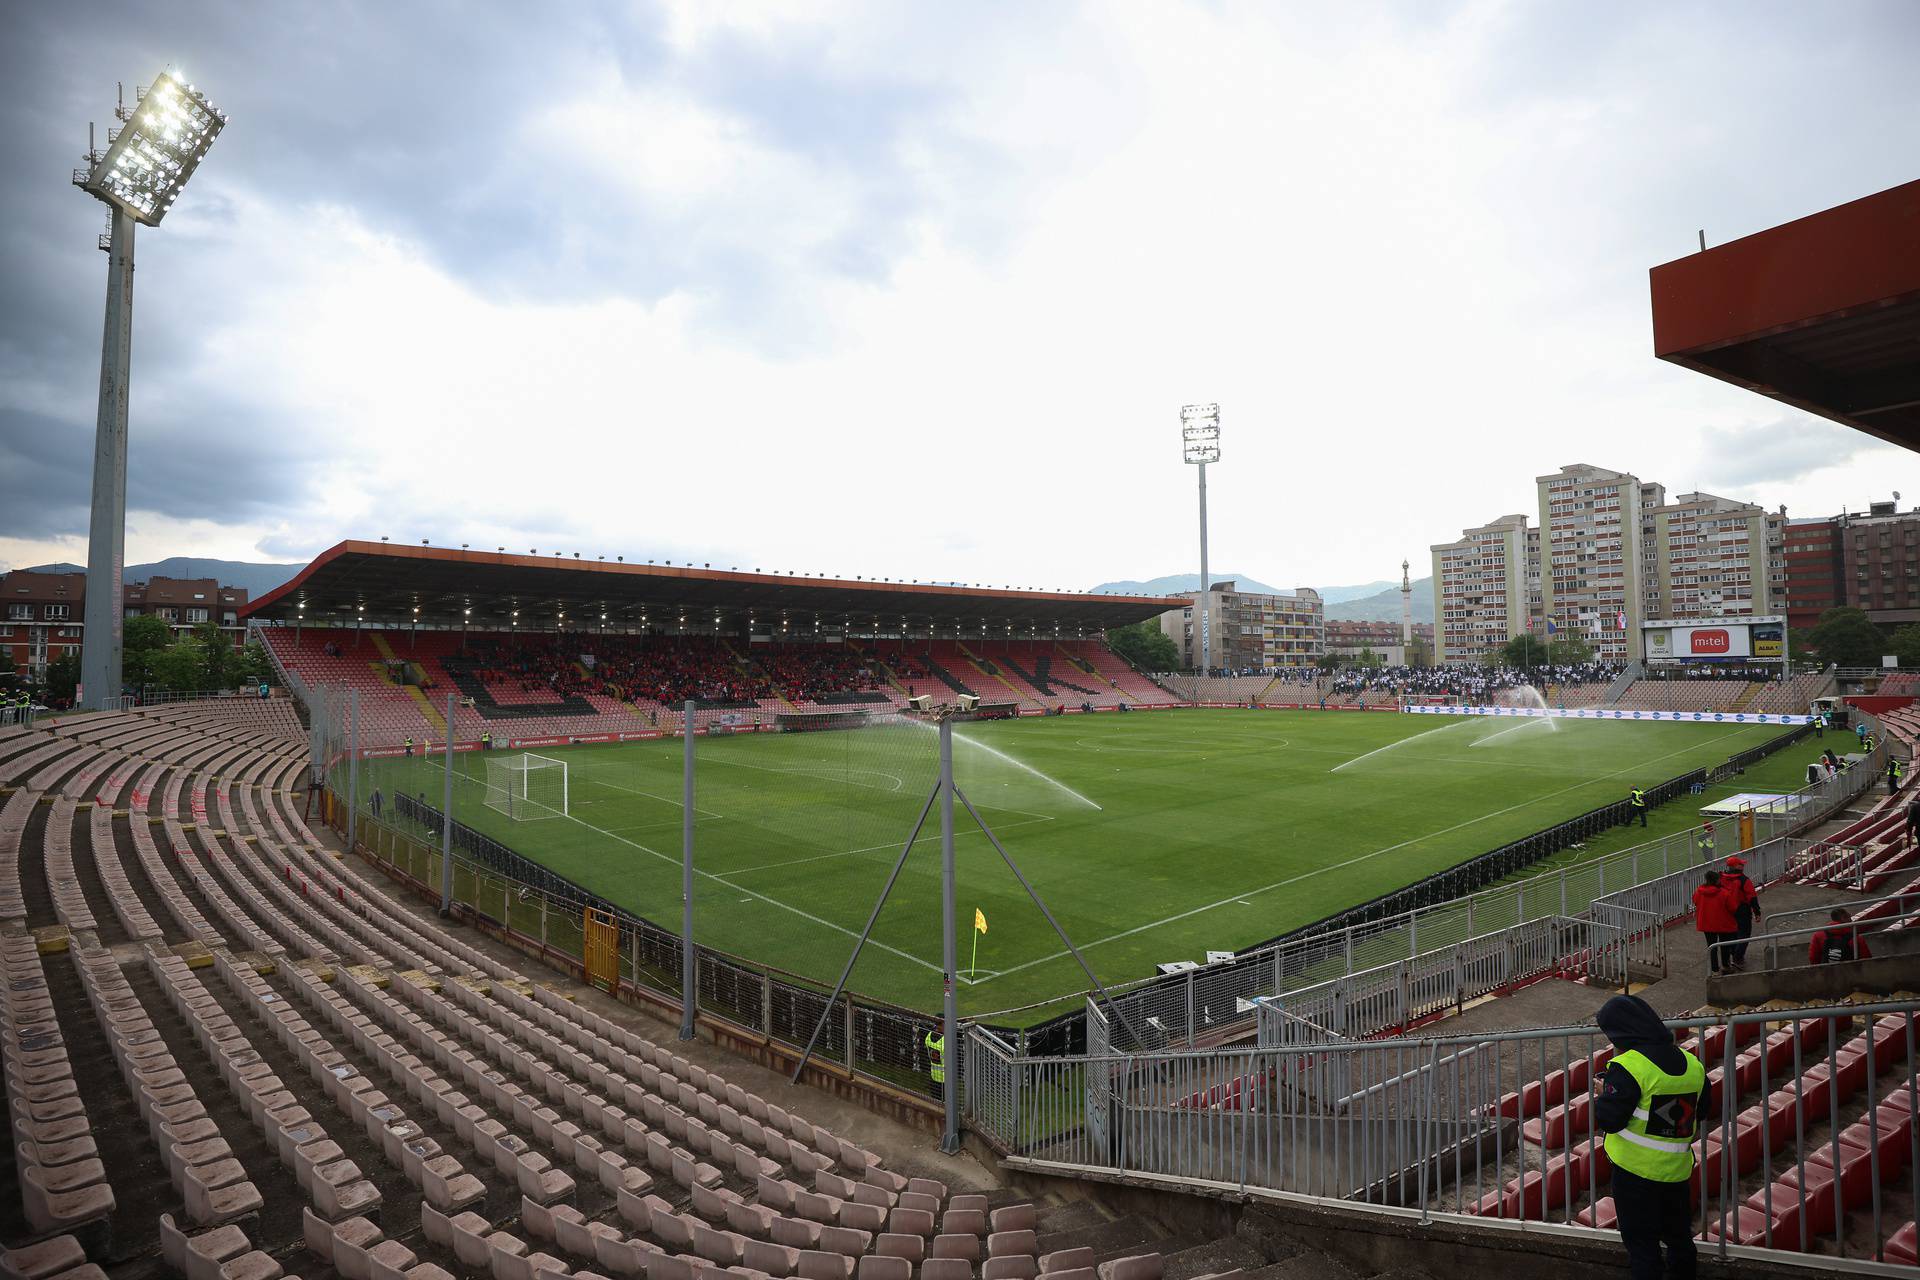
<point x="148" y="159"/>
<point x="1200" y="444"/>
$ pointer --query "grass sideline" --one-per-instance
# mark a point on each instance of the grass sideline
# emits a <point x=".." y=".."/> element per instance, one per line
<point x="1213" y="829"/>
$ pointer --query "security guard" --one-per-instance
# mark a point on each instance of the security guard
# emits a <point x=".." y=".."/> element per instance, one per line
<point x="937" y="1063"/>
<point x="486" y="740"/>
<point x="1650" y="1104"/>
<point x="1704" y="841"/>
<point x="409" y="747"/>
<point x="1638" y="799"/>
<point x="1894" y="773"/>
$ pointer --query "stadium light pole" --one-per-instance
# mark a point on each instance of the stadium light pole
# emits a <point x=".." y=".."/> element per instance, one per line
<point x="149" y="157"/>
<point x="1200" y="444"/>
<point x="689" y="974"/>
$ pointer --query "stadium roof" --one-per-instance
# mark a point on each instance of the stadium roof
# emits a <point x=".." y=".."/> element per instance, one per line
<point x="385" y="583"/>
<point x="1822" y="313"/>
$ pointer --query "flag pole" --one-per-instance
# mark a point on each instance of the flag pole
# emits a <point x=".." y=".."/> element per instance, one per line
<point x="973" y="965"/>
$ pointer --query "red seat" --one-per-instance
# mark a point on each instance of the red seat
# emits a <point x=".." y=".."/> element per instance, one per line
<point x="1788" y="1198"/>
<point x="1890" y="1041"/>
<point x="1600" y="1214"/>
<point x="1903" y="1247"/>
<point x="1892" y="1155"/>
<point x="1744" y="1225"/>
<point x="1855" y="1170"/>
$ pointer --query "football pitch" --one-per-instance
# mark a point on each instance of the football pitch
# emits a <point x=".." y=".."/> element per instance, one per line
<point x="1152" y="837"/>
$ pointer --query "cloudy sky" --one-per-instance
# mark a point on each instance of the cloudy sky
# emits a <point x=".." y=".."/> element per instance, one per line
<point x="917" y="290"/>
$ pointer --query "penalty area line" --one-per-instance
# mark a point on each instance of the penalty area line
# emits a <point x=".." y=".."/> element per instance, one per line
<point x="1356" y="860"/>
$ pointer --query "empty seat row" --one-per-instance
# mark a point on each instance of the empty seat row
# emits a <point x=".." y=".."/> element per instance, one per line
<point x="213" y="1184"/>
<point x="112" y="873"/>
<point x="335" y="1186"/>
<point x="63" y="1184"/>
<point x="13" y="829"/>
<point x="63" y="886"/>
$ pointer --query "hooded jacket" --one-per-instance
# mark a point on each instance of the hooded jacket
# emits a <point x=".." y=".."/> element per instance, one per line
<point x="1631" y="1023"/>
<point x="1713" y="909"/>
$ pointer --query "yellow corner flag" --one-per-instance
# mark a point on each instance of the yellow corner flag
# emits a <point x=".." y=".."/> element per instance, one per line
<point x="979" y="920"/>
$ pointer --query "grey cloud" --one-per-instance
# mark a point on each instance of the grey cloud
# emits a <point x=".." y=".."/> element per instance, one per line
<point x="1778" y="452"/>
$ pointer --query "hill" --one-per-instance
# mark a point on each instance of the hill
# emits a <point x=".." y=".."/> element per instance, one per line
<point x="1176" y="583"/>
<point x="257" y="578"/>
<point x="1384" y="606"/>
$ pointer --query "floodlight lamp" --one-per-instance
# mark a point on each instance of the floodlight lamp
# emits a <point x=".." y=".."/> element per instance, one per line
<point x="1200" y="433"/>
<point x="150" y="157"/>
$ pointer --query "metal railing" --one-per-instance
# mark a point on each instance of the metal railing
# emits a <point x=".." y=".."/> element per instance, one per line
<point x="1395" y="996"/>
<point x="1772" y="942"/>
<point x="1499" y="1125"/>
<point x="882" y="1042"/>
<point x="1168" y="1011"/>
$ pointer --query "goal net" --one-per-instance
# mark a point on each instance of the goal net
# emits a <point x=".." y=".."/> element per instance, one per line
<point x="526" y="787"/>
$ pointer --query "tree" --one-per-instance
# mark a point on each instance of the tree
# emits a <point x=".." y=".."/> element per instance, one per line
<point x="1525" y="651"/>
<point x="1146" y="646"/>
<point x="1846" y="637"/>
<point x="254" y="667"/>
<point x="1368" y="658"/>
<point x="63" y="678"/>
<point x="1567" y="651"/>
<point x="144" y="636"/>
<point x="181" y="667"/>
<point x="1328" y="661"/>
<point x="219" y="663"/>
<point x="1420" y="652"/>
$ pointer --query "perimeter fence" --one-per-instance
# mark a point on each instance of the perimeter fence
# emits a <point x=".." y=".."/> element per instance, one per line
<point x="1486" y="1126"/>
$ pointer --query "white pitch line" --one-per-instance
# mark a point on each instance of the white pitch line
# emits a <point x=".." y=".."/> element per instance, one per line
<point x="804" y="773"/>
<point x="1524" y="724"/>
<point x="772" y="902"/>
<point x="1397" y="743"/>
<point x="872" y="848"/>
<point x="1317" y="871"/>
<point x="698" y="812"/>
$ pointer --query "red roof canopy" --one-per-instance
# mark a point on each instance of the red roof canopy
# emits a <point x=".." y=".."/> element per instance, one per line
<point x="1822" y="313"/>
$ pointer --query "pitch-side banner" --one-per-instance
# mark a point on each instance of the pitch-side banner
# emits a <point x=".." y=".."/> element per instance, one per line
<point x="1603" y="713"/>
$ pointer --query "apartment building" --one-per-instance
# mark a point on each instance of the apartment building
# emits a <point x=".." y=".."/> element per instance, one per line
<point x="1481" y="593"/>
<point x="1879" y="562"/>
<point x="1253" y="631"/>
<point x="43" y="615"/>
<point x="1382" y="639"/>
<point x="1590" y="557"/>
<point x="1815" y="569"/>
<point x="1713" y="557"/>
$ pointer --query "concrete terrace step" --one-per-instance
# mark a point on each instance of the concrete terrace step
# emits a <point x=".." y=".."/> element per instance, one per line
<point x="1303" y="1266"/>
<point x="1068" y="1216"/>
<point x="1223" y="1253"/>
<point x="1118" y="1238"/>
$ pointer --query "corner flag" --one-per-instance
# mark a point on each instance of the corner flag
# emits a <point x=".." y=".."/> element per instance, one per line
<point x="979" y="927"/>
<point x="979" y="920"/>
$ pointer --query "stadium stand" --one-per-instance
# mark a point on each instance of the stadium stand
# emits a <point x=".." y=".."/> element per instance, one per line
<point x="324" y="1068"/>
<point x="1689" y="695"/>
<point x="524" y="687"/>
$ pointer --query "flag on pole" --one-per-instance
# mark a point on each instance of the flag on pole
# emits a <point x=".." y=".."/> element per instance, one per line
<point x="979" y="920"/>
<point x="1551" y="628"/>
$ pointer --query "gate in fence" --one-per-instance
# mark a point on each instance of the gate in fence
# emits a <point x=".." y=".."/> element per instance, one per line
<point x="600" y="949"/>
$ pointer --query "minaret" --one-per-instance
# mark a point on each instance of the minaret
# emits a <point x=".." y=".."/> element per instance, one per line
<point x="1406" y="608"/>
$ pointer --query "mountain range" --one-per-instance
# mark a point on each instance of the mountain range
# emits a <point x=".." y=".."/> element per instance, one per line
<point x="1360" y="602"/>
<point x="1365" y="602"/>
<point x="258" y="579"/>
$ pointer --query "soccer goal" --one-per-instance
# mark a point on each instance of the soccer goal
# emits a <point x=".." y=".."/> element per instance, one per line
<point x="526" y="786"/>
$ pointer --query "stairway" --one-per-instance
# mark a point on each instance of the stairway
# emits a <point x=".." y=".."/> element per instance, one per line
<point x="945" y="676"/>
<point x="988" y="667"/>
<point x="1246" y="1253"/>
<point x="431" y="712"/>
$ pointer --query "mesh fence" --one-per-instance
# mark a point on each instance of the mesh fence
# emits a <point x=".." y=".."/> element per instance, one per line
<point x="798" y="818"/>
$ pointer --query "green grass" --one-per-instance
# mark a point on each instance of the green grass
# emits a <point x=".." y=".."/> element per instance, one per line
<point x="1214" y="830"/>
